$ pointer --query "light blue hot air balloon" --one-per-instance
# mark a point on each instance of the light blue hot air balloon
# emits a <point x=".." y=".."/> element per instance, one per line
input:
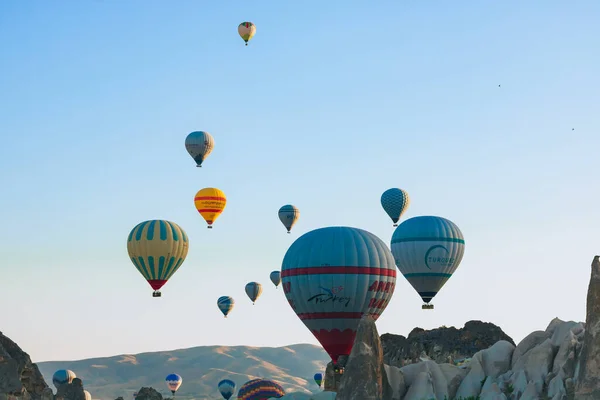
<point x="275" y="277"/>
<point x="427" y="251"/>
<point x="199" y="145"/>
<point x="227" y="388"/>
<point x="63" y="377"/>
<point x="288" y="215"/>
<point x="333" y="276"/>
<point x="225" y="304"/>
<point x="253" y="290"/>
<point x="395" y="202"/>
<point x="174" y="381"/>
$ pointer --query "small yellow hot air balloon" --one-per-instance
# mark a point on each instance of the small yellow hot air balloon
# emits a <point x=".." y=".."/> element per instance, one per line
<point x="246" y="31"/>
<point x="210" y="203"/>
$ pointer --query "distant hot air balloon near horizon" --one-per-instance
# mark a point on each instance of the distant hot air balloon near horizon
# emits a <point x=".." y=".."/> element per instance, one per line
<point x="226" y="388"/>
<point x="260" y="389"/>
<point x="199" y="145"/>
<point x="288" y="215"/>
<point x="275" y="277"/>
<point x="332" y="277"/>
<point x="395" y="202"/>
<point x="225" y="304"/>
<point x="174" y="381"/>
<point x="253" y="290"/>
<point x="246" y="31"/>
<point x="318" y="378"/>
<point x="157" y="248"/>
<point x="63" y="377"/>
<point x="210" y="203"/>
<point x="427" y="251"/>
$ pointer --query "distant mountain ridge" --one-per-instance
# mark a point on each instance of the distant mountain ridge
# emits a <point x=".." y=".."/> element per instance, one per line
<point x="201" y="368"/>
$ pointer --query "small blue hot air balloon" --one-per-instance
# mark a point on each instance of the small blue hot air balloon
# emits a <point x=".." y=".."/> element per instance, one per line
<point x="227" y="388"/>
<point x="275" y="277"/>
<point x="173" y="382"/>
<point x="225" y="304"/>
<point x="318" y="378"/>
<point x="427" y="250"/>
<point x="199" y="145"/>
<point x="395" y="202"/>
<point x="63" y="377"/>
<point x="253" y="290"/>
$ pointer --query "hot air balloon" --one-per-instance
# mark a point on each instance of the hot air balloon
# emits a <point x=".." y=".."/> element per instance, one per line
<point x="87" y="395"/>
<point x="275" y="277"/>
<point x="199" y="144"/>
<point x="318" y="378"/>
<point x="157" y="248"/>
<point x="63" y="377"/>
<point x="427" y="250"/>
<point x="226" y="387"/>
<point x="173" y="382"/>
<point x="260" y="389"/>
<point x="210" y="203"/>
<point x="288" y="215"/>
<point x="395" y="202"/>
<point x="135" y="395"/>
<point x="225" y="304"/>
<point x="246" y="31"/>
<point x="253" y="290"/>
<point x="332" y="277"/>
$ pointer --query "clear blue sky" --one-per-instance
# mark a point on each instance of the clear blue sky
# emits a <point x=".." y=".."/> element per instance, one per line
<point x="331" y="103"/>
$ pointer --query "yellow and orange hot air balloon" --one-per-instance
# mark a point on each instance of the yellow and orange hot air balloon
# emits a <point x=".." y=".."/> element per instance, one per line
<point x="210" y="203"/>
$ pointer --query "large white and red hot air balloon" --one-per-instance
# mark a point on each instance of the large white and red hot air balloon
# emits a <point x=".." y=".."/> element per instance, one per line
<point x="332" y="277"/>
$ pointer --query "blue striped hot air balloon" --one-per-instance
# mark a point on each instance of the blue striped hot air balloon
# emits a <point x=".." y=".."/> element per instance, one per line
<point x="174" y="381"/>
<point x="226" y="388"/>
<point x="157" y="248"/>
<point x="253" y="290"/>
<point x="63" y="377"/>
<point x="275" y="277"/>
<point x="427" y="251"/>
<point x="332" y="277"/>
<point x="225" y="304"/>
<point x="395" y="202"/>
<point x="260" y="389"/>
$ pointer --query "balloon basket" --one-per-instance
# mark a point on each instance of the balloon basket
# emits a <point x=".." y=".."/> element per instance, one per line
<point x="289" y="232"/>
<point x="156" y="293"/>
<point x="209" y="227"/>
<point x="395" y="225"/>
<point x="427" y="307"/>
<point x="198" y="166"/>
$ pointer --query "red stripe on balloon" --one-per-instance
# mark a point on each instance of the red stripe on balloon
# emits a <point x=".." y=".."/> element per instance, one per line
<point x="334" y="315"/>
<point x="210" y="198"/>
<point x="338" y="270"/>
<point x="208" y="210"/>
<point x="157" y="283"/>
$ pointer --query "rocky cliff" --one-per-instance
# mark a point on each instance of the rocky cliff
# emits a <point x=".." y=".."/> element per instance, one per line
<point x="19" y="377"/>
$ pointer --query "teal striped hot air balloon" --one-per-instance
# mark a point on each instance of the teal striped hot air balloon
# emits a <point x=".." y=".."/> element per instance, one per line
<point x="427" y="251"/>
<point x="157" y="248"/>
<point x="226" y="388"/>
<point x="225" y="304"/>
<point x="395" y="202"/>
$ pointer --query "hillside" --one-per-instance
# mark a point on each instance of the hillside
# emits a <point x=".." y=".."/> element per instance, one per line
<point x="201" y="368"/>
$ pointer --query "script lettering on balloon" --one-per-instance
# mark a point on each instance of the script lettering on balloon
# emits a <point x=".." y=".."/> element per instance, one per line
<point x="382" y="286"/>
<point x="331" y="295"/>
<point x="287" y="287"/>
<point x="378" y="303"/>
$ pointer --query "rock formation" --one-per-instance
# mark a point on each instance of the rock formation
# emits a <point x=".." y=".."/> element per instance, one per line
<point x="19" y="377"/>
<point x="364" y="377"/>
<point x="588" y="382"/>
<point x="148" y="393"/>
<point x="72" y="391"/>
<point x="441" y="345"/>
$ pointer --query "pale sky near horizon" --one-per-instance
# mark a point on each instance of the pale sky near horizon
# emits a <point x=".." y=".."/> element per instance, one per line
<point x="331" y="103"/>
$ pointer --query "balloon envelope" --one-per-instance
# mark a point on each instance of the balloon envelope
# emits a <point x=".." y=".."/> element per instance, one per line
<point x="173" y="382"/>
<point x="260" y="389"/>
<point x="210" y="203"/>
<point x="246" y="31"/>
<point x="63" y="377"/>
<point x="275" y="277"/>
<point x="428" y="250"/>
<point x="253" y="290"/>
<point x="226" y="388"/>
<point x="288" y="215"/>
<point x="199" y="145"/>
<point x="319" y="378"/>
<point x="87" y="395"/>
<point x="225" y="304"/>
<point x="395" y="202"/>
<point x="157" y="248"/>
<point x="332" y="277"/>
